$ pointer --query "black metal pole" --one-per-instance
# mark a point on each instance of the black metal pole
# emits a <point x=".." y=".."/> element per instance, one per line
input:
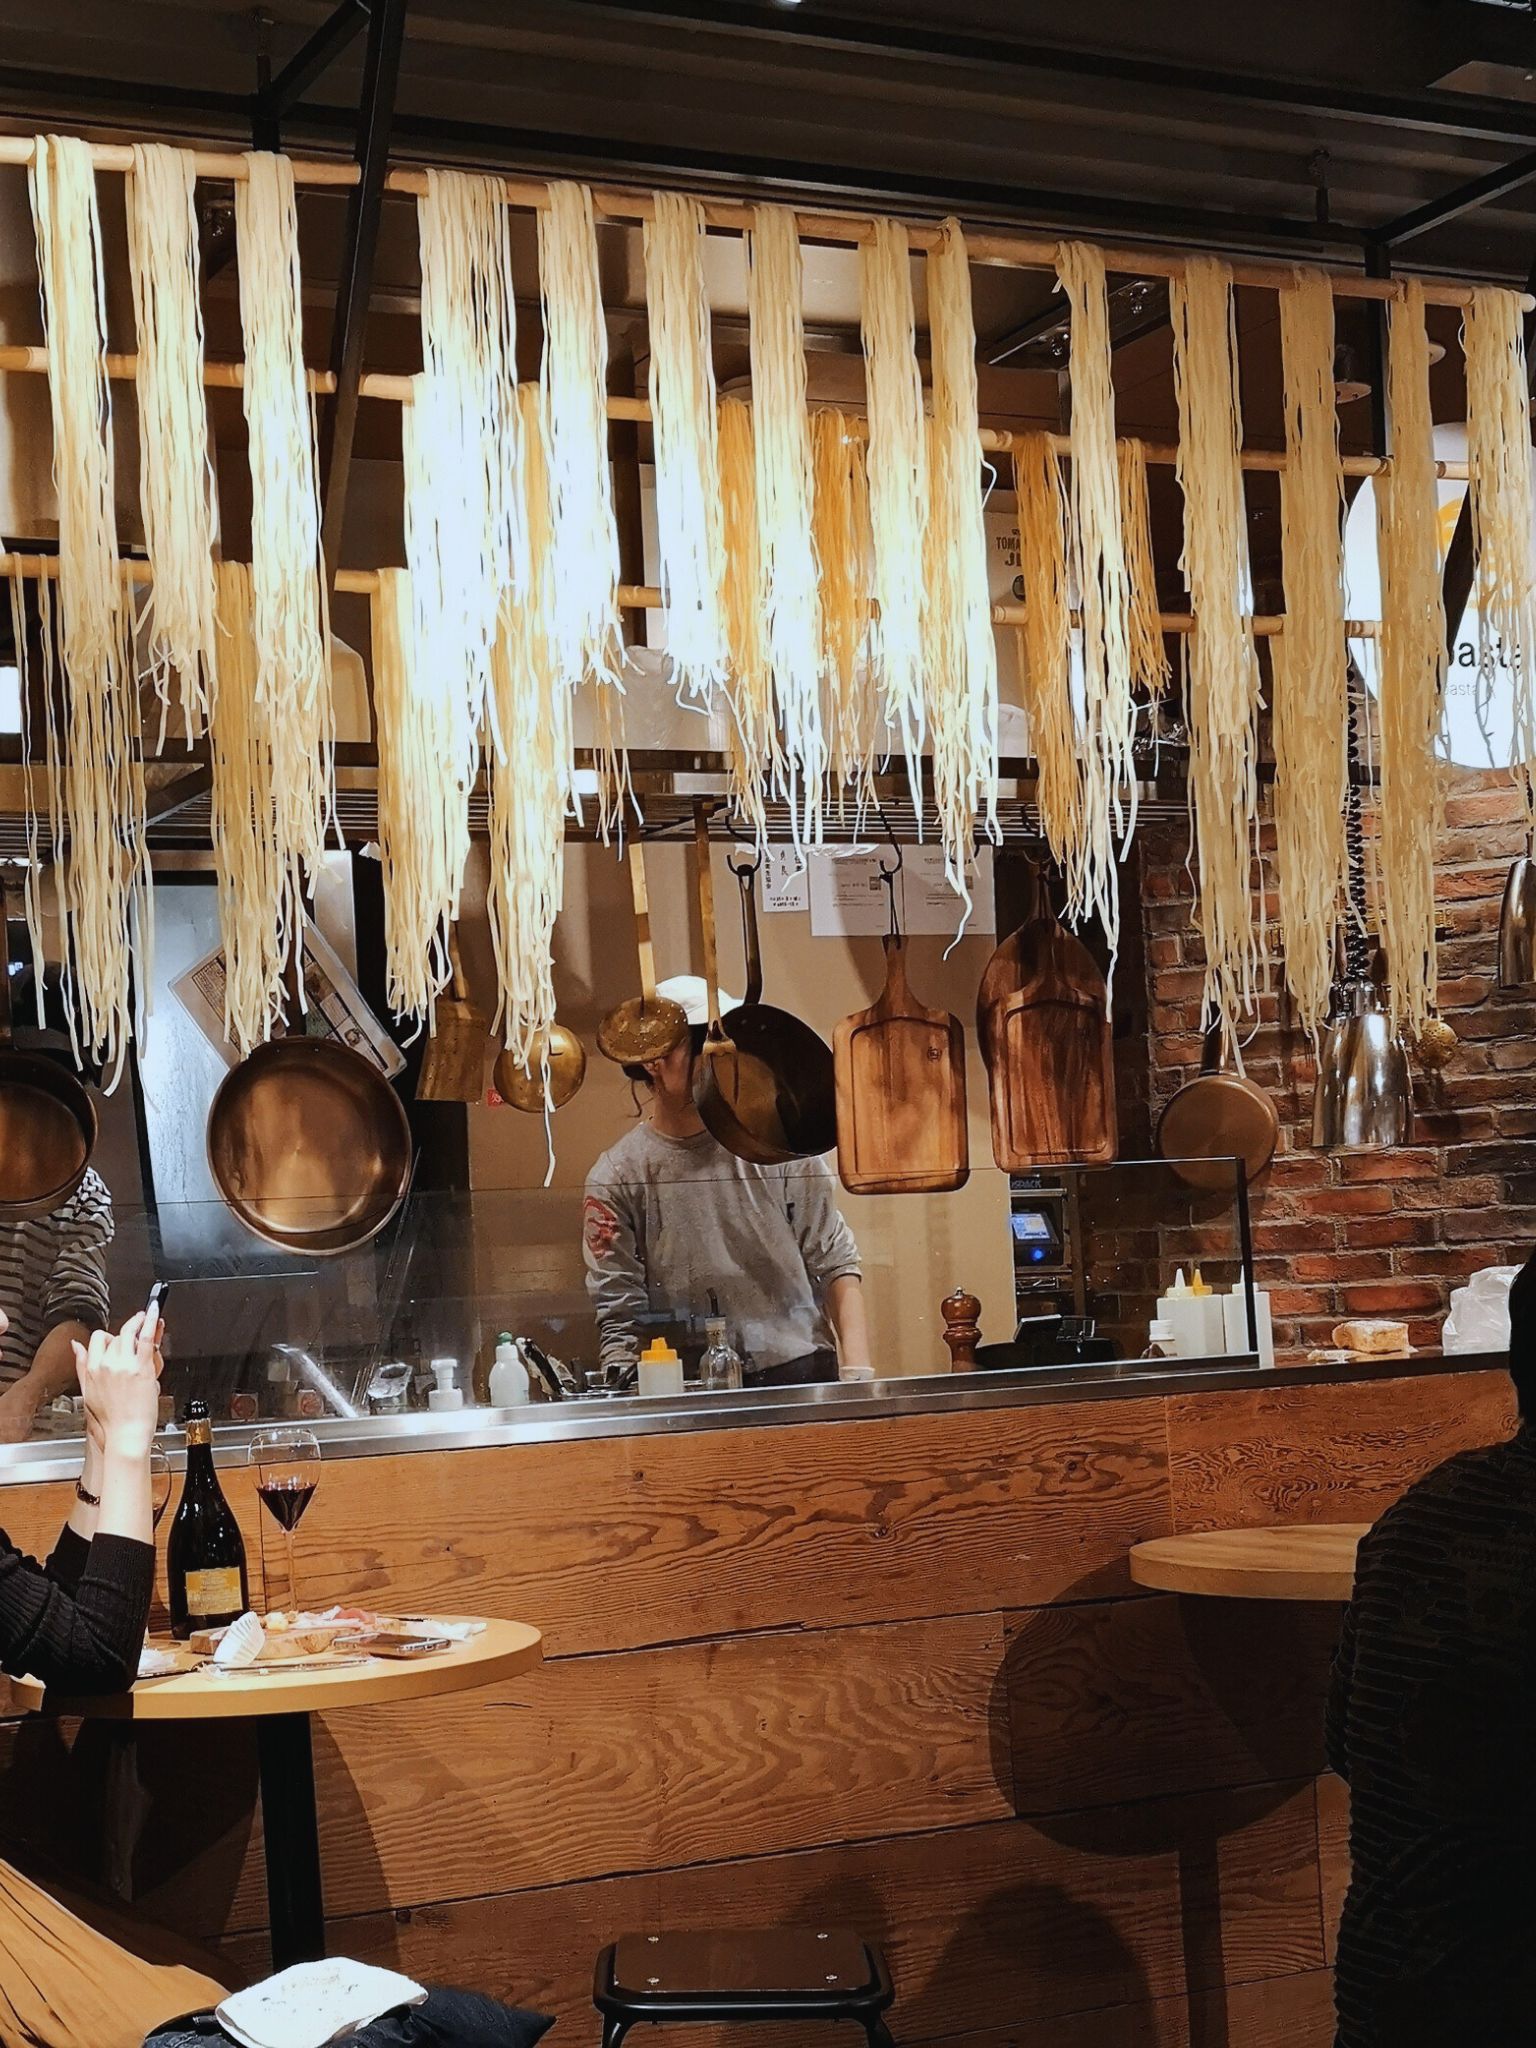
<point x="376" y="113"/>
<point x="291" y="1832"/>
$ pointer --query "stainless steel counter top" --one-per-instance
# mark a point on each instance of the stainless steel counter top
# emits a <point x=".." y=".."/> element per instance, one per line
<point x="553" y="1422"/>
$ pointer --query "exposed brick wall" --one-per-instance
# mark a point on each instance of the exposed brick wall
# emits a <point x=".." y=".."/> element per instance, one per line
<point x="1377" y="1233"/>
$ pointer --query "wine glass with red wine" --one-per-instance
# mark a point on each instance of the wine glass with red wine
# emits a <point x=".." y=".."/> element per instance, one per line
<point x="287" y="1463"/>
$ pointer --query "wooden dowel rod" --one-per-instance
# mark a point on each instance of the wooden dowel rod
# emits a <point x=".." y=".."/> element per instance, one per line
<point x="646" y="597"/>
<point x="209" y="163"/>
<point x="990" y="247"/>
<point x="400" y="390"/>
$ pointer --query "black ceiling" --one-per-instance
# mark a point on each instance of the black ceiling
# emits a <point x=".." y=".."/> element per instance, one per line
<point x="1234" y="124"/>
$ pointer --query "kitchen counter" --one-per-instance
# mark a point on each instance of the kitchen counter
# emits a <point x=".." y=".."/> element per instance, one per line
<point x="544" y="1422"/>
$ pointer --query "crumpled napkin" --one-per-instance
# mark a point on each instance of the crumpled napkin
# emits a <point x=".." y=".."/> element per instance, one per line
<point x="312" y="2004"/>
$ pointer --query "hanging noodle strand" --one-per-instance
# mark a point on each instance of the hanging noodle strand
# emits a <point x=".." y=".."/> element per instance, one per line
<point x="1223" y="683"/>
<point x="962" y="678"/>
<point x="898" y="481"/>
<point x="684" y="433"/>
<point x="1499" y="457"/>
<point x="176" y="490"/>
<point x="790" y="596"/>
<point x="530" y="777"/>
<point x="585" y="625"/>
<point x="289" y="611"/>
<point x="258" y="908"/>
<point x="1045" y="654"/>
<point x="1103" y="583"/>
<point x="756" y="763"/>
<point x="102" y="871"/>
<point x="1413" y="661"/>
<point x="1311" y="688"/>
<point x="842" y="549"/>
<point x="1151" y="671"/>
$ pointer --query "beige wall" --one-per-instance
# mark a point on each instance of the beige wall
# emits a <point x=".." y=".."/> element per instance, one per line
<point x="915" y="1247"/>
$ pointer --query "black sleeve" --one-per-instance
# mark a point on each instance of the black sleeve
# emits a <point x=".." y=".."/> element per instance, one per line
<point x="1336" y="1716"/>
<point x="66" y="1561"/>
<point x="84" y="1639"/>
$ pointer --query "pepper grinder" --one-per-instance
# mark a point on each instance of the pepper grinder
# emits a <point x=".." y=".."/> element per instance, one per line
<point x="962" y="1330"/>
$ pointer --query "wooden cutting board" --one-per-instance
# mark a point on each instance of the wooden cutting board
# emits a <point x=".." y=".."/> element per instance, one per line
<point x="1043" y="1016"/>
<point x="899" y="1070"/>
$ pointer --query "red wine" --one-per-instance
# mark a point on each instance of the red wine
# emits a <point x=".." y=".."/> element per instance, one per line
<point x="205" y="1552"/>
<point x="287" y="1499"/>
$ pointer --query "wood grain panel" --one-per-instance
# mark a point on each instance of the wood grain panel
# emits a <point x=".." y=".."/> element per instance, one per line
<point x="1322" y="1453"/>
<point x="649" y="1759"/>
<point x="622" y="1542"/>
<point x="987" y="1927"/>
<point x="1133" y="1698"/>
<point x="1333" y="1860"/>
<point x="1279" y="2012"/>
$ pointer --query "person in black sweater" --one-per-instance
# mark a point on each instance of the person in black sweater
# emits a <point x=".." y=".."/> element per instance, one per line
<point x="77" y="1622"/>
<point x="1430" y="1720"/>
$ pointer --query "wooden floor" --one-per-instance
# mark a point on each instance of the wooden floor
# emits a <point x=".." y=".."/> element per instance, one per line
<point x="891" y="1674"/>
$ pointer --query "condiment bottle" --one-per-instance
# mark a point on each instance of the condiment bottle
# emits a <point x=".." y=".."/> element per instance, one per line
<point x="661" y="1370"/>
<point x="509" y="1386"/>
<point x="720" y="1366"/>
<point x="445" y="1394"/>
<point x="1160" y="1342"/>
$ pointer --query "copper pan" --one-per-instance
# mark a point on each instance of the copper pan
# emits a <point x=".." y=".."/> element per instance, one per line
<point x="1216" y="1118"/>
<point x="309" y="1145"/>
<point x="47" y="1118"/>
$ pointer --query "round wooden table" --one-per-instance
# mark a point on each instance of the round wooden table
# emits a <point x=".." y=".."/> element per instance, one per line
<point x="1313" y="1561"/>
<point x="281" y="1705"/>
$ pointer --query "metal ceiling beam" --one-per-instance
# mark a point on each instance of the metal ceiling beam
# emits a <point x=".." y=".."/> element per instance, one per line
<point x="437" y="138"/>
<point x="1470" y="116"/>
<point x="376" y="113"/>
<point x="1436" y="213"/>
<point x="334" y="35"/>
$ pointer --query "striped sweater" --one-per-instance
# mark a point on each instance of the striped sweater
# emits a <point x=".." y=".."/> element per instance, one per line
<point x="1432" y="1720"/>
<point x="53" y="1269"/>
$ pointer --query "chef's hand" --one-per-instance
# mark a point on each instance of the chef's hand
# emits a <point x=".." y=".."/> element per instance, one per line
<point x="18" y="1404"/>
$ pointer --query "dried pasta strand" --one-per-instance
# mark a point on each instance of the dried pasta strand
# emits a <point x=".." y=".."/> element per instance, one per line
<point x="1103" y="582"/>
<point x="466" y="526"/>
<point x="1413" y="659"/>
<point x="756" y="763"/>
<point x="176" y="486"/>
<point x="1311" y="683"/>
<point x="530" y="778"/>
<point x="290" y="615"/>
<point x="585" y="622"/>
<point x="1151" y="671"/>
<point x="102" y="870"/>
<point x="898" y="481"/>
<point x="1223" y="672"/>
<point x="790" y="593"/>
<point x="962" y="661"/>
<point x="1499" y="457"/>
<point x="427" y="764"/>
<point x="842" y="548"/>
<point x="1045" y="654"/>
<point x="258" y="907"/>
<point x="690" y="540"/>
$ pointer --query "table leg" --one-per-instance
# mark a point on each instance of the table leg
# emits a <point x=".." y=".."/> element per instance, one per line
<point x="292" y="1833"/>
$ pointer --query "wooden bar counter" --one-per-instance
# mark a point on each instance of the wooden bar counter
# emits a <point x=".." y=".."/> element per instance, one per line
<point x="876" y="1660"/>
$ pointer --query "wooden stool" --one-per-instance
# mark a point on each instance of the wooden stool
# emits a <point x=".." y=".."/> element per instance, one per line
<point x="785" y="1973"/>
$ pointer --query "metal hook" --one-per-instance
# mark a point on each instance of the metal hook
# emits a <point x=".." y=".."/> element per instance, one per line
<point x="741" y="870"/>
<point x="895" y="846"/>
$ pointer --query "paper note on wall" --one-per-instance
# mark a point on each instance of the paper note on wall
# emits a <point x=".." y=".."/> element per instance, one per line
<point x="849" y="900"/>
<point x="785" y="882"/>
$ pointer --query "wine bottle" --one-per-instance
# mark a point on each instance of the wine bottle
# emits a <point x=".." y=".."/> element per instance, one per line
<point x="205" y="1553"/>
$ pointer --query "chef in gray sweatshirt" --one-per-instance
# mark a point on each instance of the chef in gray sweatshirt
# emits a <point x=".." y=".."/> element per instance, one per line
<point x="670" y="1217"/>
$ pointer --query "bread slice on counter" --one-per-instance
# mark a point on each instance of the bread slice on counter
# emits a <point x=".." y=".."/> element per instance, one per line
<point x="1371" y="1337"/>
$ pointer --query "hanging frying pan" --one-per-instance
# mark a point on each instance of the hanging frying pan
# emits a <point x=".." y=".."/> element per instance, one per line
<point x="764" y="1084"/>
<point x="1217" y="1117"/>
<point x="647" y="1026"/>
<point x="47" y="1118"/>
<point x="309" y="1145"/>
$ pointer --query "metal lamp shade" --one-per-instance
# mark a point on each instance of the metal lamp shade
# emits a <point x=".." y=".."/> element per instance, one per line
<point x="1517" y="926"/>
<point x="1363" y="1101"/>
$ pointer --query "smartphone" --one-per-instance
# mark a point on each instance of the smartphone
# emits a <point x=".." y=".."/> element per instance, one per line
<point x="399" y="1646"/>
<point x="154" y="1308"/>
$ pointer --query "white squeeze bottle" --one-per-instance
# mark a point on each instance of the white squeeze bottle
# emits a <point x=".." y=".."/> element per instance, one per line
<point x="509" y="1376"/>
